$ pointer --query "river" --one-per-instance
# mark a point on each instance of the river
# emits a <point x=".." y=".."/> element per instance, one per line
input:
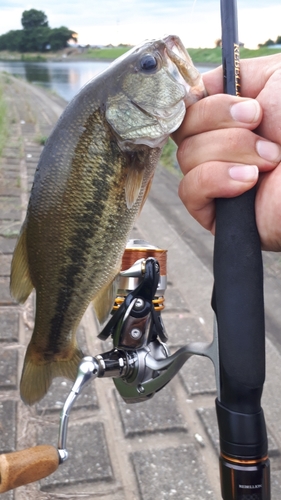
<point x="65" y="78"/>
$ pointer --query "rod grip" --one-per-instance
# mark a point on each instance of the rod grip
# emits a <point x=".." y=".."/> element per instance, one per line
<point x="26" y="466"/>
<point x="238" y="303"/>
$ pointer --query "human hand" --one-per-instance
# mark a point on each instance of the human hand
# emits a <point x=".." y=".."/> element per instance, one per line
<point x="221" y="155"/>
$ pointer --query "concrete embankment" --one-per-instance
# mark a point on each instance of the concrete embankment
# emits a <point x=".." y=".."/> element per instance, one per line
<point x="166" y="447"/>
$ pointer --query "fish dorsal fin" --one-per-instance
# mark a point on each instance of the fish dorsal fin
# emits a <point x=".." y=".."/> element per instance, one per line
<point x="133" y="185"/>
<point x="104" y="300"/>
<point x="20" y="285"/>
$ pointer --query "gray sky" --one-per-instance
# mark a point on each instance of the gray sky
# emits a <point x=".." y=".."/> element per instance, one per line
<point x="197" y="22"/>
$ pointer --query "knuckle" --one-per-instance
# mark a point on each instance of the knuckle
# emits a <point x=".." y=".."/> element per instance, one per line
<point x="183" y="154"/>
<point x="237" y="139"/>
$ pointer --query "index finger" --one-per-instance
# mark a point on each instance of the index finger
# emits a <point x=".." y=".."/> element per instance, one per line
<point x="254" y="75"/>
<point x="218" y="112"/>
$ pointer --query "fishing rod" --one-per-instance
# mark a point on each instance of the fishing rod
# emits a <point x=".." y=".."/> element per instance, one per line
<point x="140" y="363"/>
<point x="239" y="309"/>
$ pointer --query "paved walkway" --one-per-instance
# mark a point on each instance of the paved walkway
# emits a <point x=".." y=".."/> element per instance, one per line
<point x="164" y="448"/>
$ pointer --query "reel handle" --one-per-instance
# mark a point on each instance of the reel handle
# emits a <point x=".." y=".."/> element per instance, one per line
<point x="26" y="466"/>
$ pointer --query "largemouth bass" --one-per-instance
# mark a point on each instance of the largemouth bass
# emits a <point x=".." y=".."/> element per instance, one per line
<point x="91" y="181"/>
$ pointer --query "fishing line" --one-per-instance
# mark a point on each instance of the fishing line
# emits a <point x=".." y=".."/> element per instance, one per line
<point x="193" y="7"/>
<point x="192" y="12"/>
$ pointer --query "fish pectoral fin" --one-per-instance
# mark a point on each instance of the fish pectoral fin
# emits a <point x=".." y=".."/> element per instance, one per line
<point x="20" y="283"/>
<point x="104" y="300"/>
<point x="133" y="185"/>
<point x="146" y="193"/>
<point x="37" y="376"/>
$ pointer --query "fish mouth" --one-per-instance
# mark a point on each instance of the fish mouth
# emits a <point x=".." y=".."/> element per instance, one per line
<point x="183" y="70"/>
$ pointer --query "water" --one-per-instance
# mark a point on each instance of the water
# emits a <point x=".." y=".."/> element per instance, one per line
<point x="65" y="78"/>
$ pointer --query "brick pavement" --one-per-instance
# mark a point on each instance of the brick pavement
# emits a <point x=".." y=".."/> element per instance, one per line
<point x="164" y="448"/>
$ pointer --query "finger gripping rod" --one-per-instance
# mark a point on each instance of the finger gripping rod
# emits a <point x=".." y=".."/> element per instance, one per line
<point x="239" y="307"/>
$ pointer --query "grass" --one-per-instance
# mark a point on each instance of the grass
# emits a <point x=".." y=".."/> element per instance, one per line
<point x="3" y="120"/>
<point x="168" y="158"/>
<point x="33" y="58"/>
<point x="199" y="55"/>
<point x="263" y="51"/>
<point x="41" y="139"/>
<point x="6" y="55"/>
<point x="213" y="56"/>
<point x="108" y="53"/>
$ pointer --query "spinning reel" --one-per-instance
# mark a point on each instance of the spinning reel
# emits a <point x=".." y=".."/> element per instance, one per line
<point x="140" y="362"/>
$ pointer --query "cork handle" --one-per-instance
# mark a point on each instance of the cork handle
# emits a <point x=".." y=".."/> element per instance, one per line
<point x="27" y="466"/>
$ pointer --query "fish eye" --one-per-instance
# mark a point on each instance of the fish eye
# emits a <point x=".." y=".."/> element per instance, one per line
<point x="148" y="62"/>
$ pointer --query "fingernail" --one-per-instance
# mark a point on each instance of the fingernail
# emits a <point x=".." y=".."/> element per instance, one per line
<point x="268" y="150"/>
<point x="245" y="111"/>
<point x="244" y="173"/>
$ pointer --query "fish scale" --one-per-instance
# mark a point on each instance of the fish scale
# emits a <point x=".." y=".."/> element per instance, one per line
<point x="91" y="181"/>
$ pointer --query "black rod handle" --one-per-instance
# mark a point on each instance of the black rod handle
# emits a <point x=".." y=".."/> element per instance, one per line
<point x="238" y="303"/>
<point x="239" y="306"/>
<point x="238" y="270"/>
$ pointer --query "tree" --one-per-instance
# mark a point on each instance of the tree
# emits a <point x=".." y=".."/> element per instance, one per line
<point x="265" y="44"/>
<point x="59" y="37"/>
<point x="34" y="19"/>
<point x="36" y="35"/>
<point x="35" y="40"/>
<point x="269" y="42"/>
<point x="11" y="40"/>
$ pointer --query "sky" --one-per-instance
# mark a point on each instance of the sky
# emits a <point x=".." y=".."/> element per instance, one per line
<point x="101" y="22"/>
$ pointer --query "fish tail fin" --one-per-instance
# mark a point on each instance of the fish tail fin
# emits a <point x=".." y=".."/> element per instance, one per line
<point x="37" y="376"/>
<point x="20" y="284"/>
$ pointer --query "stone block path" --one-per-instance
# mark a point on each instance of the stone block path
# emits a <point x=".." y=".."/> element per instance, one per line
<point x="162" y="449"/>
